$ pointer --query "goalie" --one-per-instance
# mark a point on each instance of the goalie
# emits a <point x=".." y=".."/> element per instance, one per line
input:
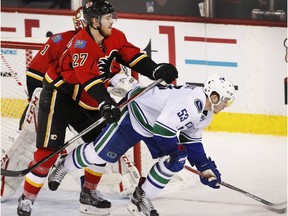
<point x="21" y="152"/>
<point x="156" y="118"/>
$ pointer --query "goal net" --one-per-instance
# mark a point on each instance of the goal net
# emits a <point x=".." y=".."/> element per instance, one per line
<point x="16" y="55"/>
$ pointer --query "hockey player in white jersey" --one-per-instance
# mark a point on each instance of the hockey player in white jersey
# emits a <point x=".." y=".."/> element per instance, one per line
<point x="170" y="120"/>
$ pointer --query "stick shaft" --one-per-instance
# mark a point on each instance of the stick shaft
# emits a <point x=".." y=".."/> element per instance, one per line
<point x="19" y="173"/>
<point x="258" y="199"/>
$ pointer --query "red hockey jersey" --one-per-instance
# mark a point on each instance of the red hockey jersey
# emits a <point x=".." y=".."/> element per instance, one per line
<point x="79" y="63"/>
<point x="47" y="57"/>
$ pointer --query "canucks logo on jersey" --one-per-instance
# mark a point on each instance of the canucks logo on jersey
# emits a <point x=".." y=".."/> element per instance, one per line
<point x="199" y="105"/>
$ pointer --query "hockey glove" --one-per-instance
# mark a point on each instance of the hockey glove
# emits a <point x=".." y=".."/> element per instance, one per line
<point x="176" y="161"/>
<point x="109" y="110"/>
<point x="165" y="71"/>
<point x="212" y="175"/>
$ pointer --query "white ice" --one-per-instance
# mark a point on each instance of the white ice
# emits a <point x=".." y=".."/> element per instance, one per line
<point x="254" y="163"/>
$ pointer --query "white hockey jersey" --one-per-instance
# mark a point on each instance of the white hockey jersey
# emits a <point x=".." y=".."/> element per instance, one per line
<point x="171" y="111"/>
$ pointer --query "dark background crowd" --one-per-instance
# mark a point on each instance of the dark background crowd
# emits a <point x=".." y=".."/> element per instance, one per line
<point x="236" y="9"/>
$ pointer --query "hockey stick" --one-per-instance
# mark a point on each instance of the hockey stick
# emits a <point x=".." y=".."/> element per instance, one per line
<point x="19" y="173"/>
<point x="278" y="208"/>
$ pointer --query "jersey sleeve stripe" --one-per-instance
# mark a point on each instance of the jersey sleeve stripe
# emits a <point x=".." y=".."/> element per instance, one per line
<point x="135" y="61"/>
<point x="95" y="82"/>
<point x="35" y="76"/>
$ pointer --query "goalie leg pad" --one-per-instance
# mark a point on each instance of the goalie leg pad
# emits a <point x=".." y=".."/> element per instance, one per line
<point x="130" y="175"/>
<point x="17" y="158"/>
<point x="30" y="116"/>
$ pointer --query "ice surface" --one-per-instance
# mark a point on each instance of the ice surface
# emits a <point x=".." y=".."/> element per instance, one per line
<point x="254" y="163"/>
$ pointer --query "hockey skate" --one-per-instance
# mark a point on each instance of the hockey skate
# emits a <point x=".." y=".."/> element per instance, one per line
<point x="24" y="206"/>
<point x="57" y="175"/>
<point x="143" y="204"/>
<point x="93" y="203"/>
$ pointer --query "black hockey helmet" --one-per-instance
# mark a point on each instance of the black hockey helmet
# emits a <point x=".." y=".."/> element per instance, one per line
<point x="96" y="9"/>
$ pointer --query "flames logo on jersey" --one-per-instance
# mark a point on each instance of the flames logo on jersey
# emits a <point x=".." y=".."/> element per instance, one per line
<point x="105" y="64"/>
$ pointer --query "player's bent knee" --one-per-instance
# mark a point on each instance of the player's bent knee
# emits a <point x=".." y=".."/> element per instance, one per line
<point x="163" y="167"/>
<point x="92" y="156"/>
<point x="41" y="153"/>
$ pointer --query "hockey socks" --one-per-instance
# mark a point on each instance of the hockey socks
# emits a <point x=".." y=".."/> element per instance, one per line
<point x="82" y="156"/>
<point x="93" y="176"/>
<point x="157" y="179"/>
<point x="35" y="179"/>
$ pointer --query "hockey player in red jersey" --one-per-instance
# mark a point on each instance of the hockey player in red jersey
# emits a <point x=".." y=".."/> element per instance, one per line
<point x="51" y="52"/>
<point x="24" y="143"/>
<point x="75" y="93"/>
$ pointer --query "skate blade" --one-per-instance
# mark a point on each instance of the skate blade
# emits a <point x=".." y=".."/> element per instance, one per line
<point x="134" y="210"/>
<point x="91" y="210"/>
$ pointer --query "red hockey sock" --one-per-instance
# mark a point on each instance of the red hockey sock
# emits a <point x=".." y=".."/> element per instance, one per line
<point x="36" y="178"/>
<point x="92" y="179"/>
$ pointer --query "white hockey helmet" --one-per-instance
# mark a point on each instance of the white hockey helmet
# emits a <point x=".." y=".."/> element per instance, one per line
<point x="221" y="86"/>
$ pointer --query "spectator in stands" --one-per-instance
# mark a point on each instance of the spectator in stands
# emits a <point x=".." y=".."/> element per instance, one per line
<point x="244" y="10"/>
<point x="225" y="8"/>
<point x="60" y="4"/>
<point x="164" y="7"/>
<point x="129" y="6"/>
<point x="172" y="7"/>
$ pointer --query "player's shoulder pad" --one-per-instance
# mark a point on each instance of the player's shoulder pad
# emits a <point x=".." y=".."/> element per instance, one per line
<point x="194" y="96"/>
<point x="118" y="33"/>
<point x="68" y="34"/>
<point x="56" y="38"/>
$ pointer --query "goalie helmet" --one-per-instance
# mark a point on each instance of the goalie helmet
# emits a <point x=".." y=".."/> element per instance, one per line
<point x="96" y="9"/>
<point x="221" y="86"/>
<point x="78" y="19"/>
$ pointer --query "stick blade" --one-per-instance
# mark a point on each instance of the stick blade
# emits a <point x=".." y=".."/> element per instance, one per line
<point x="13" y="173"/>
<point x="279" y="208"/>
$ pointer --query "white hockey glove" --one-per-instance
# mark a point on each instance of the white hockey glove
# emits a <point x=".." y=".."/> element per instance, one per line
<point x="121" y="84"/>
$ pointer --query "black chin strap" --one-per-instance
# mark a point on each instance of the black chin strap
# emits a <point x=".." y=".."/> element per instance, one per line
<point x="94" y="27"/>
<point x="98" y="28"/>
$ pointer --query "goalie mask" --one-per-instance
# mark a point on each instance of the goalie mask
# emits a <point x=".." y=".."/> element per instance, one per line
<point x="221" y="86"/>
<point x="96" y="9"/>
<point x="78" y="19"/>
